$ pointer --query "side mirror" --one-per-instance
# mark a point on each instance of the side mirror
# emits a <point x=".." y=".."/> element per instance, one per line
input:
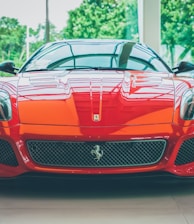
<point x="9" y="67"/>
<point x="183" y="66"/>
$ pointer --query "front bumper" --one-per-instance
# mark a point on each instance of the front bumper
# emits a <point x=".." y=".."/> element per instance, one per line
<point x="177" y="158"/>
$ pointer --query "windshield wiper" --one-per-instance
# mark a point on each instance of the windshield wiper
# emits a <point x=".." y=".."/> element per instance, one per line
<point x="97" y="68"/>
<point x="79" y="68"/>
<point x="37" y="70"/>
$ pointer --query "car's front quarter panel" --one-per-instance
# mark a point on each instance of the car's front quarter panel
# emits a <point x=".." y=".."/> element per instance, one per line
<point x="182" y="85"/>
<point x="11" y="162"/>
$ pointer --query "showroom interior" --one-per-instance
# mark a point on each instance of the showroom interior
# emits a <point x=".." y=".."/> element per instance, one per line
<point x="96" y="200"/>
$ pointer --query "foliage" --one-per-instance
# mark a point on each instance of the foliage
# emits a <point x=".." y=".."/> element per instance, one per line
<point x="12" y="40"/>
<point x="103" y="19"/>
<point x="37" y="36"/>
<point x="177" y="25"/>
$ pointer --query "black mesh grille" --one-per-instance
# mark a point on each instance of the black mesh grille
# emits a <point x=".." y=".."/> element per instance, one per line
<point x="186" y="152"/>
<point x="85" y="154"/>
<point x="7" y="156"/>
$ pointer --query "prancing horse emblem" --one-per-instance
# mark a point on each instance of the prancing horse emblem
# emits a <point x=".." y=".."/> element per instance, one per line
<point x="97" y="152"/>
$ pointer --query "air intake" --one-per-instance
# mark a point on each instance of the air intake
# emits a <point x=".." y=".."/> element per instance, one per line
<point x="186" y="152"/>
<point x="7" y="155"/>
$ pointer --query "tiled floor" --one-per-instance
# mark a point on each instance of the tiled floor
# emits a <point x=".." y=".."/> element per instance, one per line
<point x="96" y="202"/>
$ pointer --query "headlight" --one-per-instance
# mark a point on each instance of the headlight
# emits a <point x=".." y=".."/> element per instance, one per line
<point x="5" y="106"/>
<point x="187" y="105"/>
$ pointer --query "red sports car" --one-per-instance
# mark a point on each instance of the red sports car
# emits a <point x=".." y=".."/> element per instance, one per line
<point x="96" y="107"/>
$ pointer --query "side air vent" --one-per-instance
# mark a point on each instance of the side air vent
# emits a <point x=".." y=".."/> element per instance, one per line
<point x="186" y="153"/>
<point x="7" y="155"/>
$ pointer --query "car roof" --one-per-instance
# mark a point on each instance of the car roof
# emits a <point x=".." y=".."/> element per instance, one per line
<point x="90" y="41"/>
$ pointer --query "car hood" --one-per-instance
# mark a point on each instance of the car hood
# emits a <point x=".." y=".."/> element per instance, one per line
<point x="95" y="98"/>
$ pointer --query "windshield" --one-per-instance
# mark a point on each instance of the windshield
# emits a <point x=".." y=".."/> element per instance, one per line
<point x="95" y="55"/>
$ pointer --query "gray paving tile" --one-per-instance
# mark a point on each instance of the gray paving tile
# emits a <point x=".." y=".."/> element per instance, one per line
<point x="86" y="216"/>
<point x="139" y="204"/>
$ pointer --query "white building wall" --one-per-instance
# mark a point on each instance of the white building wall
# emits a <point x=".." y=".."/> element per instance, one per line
<point x="149" y="23"/>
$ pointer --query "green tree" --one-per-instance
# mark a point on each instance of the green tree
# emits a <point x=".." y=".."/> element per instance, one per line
<point x="177" y="24"/>
<point x="37" y="36"/>
<point x="12" y="39"/>
<point x="103" y="19"/>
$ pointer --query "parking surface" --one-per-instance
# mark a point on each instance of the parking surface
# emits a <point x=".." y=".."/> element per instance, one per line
<point x="58" y="202"/>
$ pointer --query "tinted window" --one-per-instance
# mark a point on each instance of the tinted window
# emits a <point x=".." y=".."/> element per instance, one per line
<point x="82" y="54"/>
